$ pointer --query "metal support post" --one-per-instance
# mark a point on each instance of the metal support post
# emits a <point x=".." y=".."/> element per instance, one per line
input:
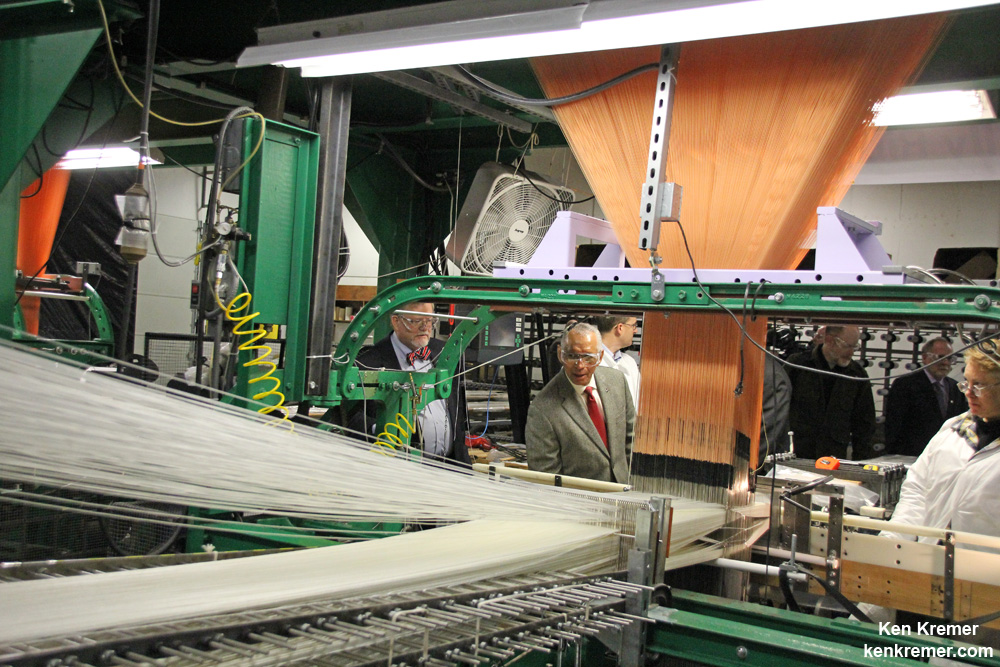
<point x="834" y="540"/>
<point x="645" y="567"/>
<point x="660" y="201"/>
<point x="335" y="117"/>
<point x="949" y="576"/>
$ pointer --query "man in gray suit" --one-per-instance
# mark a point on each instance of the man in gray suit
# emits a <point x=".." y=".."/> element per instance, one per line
<point x="581" y="424"/>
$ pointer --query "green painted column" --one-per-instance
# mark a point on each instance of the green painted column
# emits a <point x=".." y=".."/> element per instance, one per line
<point x="393" y="214"/>
<point x="35" y="71"/>
<point x="10" y="205"/>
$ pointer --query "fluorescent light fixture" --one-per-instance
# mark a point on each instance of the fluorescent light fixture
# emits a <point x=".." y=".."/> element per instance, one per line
<point x="423" y="36"/>
<point x="107" y="157"/>
<point x="944" y="106"/>
<point x="446" y="33"/>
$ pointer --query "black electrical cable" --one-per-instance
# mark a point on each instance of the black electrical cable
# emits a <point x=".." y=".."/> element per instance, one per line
<point x="39" y="172"/>
<point x="197" y="62"/>
<point x="390" y="150"/>
<point x="786" y="590"/>
<point x="489" y="88"/>
<point x="362" y="160"/>
<point x="777" y="358"/>
<point x="86" y="122"/>
<point x="193" y="171"/>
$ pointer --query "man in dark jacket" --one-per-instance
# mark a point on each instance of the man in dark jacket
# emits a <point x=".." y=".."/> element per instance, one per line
<point x="831" y="413"/>
<point x="441" y="425"/>
<point x="919" y="403"/>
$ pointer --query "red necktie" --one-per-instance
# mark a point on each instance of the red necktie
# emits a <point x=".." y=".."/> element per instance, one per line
<point x="594" y="410"/>
<point x="423" y="353"/>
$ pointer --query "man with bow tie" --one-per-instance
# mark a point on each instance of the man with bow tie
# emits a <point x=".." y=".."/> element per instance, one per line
<point x="441" y="425"/>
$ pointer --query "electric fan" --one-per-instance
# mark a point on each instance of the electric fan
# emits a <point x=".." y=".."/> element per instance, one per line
<point x="503" y="219"/>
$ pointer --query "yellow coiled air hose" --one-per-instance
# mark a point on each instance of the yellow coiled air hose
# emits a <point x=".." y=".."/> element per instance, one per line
<point x="241" y="303"/>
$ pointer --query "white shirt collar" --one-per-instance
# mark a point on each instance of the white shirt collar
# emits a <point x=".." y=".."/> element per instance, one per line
<point x="579" y="389"/>
<point x="932" y="379"/>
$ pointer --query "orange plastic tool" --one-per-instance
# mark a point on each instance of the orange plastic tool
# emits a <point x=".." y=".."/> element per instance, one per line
<point x="828" y="463"/>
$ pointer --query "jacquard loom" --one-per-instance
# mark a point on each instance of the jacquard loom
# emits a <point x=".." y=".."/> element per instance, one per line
<point x="516" y="571"/>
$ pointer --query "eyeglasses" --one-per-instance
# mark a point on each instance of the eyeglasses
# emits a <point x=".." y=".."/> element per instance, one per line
<point x="635" y="325"/>
<point x="417" y="323"/>
<point x="585" y="359"/>
<point x="840" y="342"/>
<point x="977" y="389"/>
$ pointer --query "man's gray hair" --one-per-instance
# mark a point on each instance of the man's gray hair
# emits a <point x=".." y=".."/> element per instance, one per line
<point x="578" y="329"/>
<point x="929" y="345"/>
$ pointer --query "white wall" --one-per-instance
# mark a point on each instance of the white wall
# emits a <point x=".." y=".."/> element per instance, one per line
<point x="920" y="218"/>
<point x="362" y="269"/>
<point x="163" y="303"/>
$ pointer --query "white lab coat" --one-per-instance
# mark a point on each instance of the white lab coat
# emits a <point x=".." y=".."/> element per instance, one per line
<point x="626" y="364"/>
<point x="951" y="483"/>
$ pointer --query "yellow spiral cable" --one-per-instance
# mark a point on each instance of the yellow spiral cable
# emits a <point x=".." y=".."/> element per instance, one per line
<point x="242" y="303"/>
<point x="389" y="441"/>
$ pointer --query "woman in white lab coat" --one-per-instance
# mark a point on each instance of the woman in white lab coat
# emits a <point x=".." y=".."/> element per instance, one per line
<point x="955" y="483"/>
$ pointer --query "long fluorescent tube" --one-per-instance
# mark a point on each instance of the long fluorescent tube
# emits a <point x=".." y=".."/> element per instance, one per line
<point x="442" y="33"/>
<point x="944" y="106"/>
<point x="110" y="156"/>
<point x="605" y="24"/>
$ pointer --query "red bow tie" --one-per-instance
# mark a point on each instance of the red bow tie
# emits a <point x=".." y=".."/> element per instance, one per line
<point x="423" y="353"/>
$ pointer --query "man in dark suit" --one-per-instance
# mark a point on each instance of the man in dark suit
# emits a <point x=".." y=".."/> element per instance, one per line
<point x="830" y="411"/>
<point x="441" y="426"/>
<point x="581" y="423"/>
<point x="919" y="403"/>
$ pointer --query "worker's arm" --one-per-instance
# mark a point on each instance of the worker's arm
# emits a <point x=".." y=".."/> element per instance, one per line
<point x="911" y="508"/>
<point x="542" y="443"/>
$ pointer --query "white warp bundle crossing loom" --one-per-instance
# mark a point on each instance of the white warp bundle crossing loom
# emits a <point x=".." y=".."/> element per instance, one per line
<point x="68" y="428"/>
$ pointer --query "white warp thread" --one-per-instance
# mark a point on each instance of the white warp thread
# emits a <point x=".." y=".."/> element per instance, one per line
<point x="33" y="610"/>
<point x="66" y="428"/>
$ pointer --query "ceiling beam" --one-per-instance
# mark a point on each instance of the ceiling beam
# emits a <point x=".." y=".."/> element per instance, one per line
<point x="440" y="94"/>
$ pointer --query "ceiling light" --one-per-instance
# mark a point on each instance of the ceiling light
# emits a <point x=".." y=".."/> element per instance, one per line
<point x="107" y="157"/>
<point x="442" y="33"/>
<point x="945" y="106"/>
<point x="458" y="31"/>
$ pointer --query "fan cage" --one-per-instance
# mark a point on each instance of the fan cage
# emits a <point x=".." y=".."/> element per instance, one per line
<point x="512" y="222"/>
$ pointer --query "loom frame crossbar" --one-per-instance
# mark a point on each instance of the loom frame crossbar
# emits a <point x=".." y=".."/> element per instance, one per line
<point x="491" y="298"/>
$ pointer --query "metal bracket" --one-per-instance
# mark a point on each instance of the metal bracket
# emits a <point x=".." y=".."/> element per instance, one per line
<point x="949" y="576"/>
<point x="660" y="201"/>
<point x="657" y="286"/>
<point x="834" y="540"/>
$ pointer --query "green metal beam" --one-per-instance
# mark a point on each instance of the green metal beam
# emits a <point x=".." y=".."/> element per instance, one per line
<point x="707" y="640"/>
<point x="843" y="632"/>
<point x="10" y="205"/>
<point x="497" y="296"/>
<point x="35" y="71"/>
<point x="393" y="204"/>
